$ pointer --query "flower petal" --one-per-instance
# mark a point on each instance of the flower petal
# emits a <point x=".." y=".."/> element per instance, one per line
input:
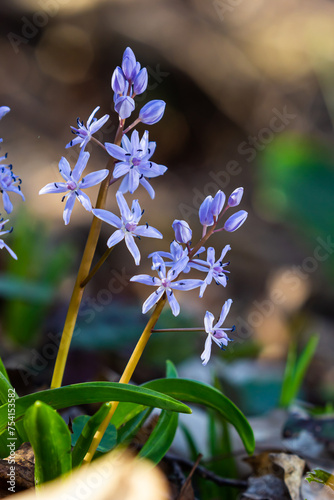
<point x="91" y="116"/>
<point x="115" y="238"/>
<point x="205" y="356"/>
<point x="81" y="165"/>
<point x="93" y="178"/>
<point x="132" y="247"/>
<point x="133" y="180"/>
<point x="84" y="200"/>
<point x="115" y="151"/>
<point x="54" y="187"/>
<point x="108" y="217"/>
<point x="224" y="312"/>
<point x="146" y="279"/>
<point x="123" y="207"/>
<point x="186" y="284"/>
<point x="148" y="187"/>
<point x="147" y="231"/>
<point x="69" y="207"/>
<point x="152" y="299"/>
<point x="208" y="321"/>
<point x="174" y="305"/>
<point x="98" y="124"/>
<point x="211" y="256"/>
<point x="120" y="169"/>
<point x="151" y="169"/>
<point x="64" y="168"/>
<point x="7" y="204"/>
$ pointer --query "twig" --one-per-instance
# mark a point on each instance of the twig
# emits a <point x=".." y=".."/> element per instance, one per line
<point x="186" y="483"/>
<point x="205" y="473"/>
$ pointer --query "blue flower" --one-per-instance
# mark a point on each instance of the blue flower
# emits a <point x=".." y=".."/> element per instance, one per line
<point x="127" y="225"/>
<point x="73" y="184"/>
<point x="127" y="82"/>
<point x="175" y="255"/>
<point x="152" y="112"/>
<point x="9" y="182"/>
<point x="182" y="231"/>
<point x="235" y="197"/>
<point x="235" y="221"/>
<point x="216" y="333"/>
<point x="215" y="269"/>
<point x="164" y="283"/>
<point x="2" y="243"/>
<point x="3" y="111"/>
<point x="135" y="162"/>
<point x="84" y="133"/>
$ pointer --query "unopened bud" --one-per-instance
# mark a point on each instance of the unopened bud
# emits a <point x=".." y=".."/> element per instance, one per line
<point x="152" y="112"/>
<point x="182" y="231"/>
<point x="235" y="221"/>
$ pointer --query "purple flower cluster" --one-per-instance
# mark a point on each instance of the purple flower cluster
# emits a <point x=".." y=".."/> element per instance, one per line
<point x="9" y="183"/>
<point x="133" y="167"/>
<point x="127" y="82"/>
<point x="182" y="258"/>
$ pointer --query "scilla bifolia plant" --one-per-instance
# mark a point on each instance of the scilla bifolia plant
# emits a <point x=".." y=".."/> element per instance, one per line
<point x="125" y="407"/>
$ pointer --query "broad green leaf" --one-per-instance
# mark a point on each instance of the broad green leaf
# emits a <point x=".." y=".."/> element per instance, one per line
<point x="196" y="392"/>
<point x="50" y="439"/>
<point x="161" y="438"/>
<point x="94" y="392"/>
<point x="131" y="428"/>
<point x="171" y="371"/>
<point x="127" y="411"/>
<point x="84" y="428"/>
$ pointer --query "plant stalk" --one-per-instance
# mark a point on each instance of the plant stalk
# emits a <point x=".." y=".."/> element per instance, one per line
<point x="127" y="374"/>
<point x="83" y="273"/>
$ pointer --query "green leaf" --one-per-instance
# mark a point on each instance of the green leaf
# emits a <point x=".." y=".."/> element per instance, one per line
<point x="193" y="451"/>
<point x="50" y="439"/>
<point x="131" y="428"/>
<point x="171" y="371"/>
<point x="84" y="428"/>
<point x="6" y="389"/>
<point x="3" y="370"/>
<point x="295" y="370"/>
<point x="321" y="476"/>
<point x="94" y="392"/>
<point x="196" y="392"/>
<point x="161" y="438"/>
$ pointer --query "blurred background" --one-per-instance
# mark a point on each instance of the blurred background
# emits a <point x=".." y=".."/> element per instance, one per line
<point x="250" y="102"/>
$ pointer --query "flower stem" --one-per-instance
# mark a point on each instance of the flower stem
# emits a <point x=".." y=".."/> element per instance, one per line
<point x="127" y="374"/>
<point x="96" y="267"/>
<point x="85" y="265"/>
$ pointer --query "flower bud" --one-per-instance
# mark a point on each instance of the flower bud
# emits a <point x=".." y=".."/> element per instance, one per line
<point x="140" y="82"/>
<point x="128" y="63"/>
<point x="235" y="221"/>
<point x="152" y="112"/>
<point x="124" y="105"/>
<point x="217" y="204"/>
<point x="235" y="197"/>
<point x="118" y="81"/>
<point x="3" y="111"/>
<point x="135" y="71"/>
<point x="205" y="214"/>
<point x="182" y="231"/>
